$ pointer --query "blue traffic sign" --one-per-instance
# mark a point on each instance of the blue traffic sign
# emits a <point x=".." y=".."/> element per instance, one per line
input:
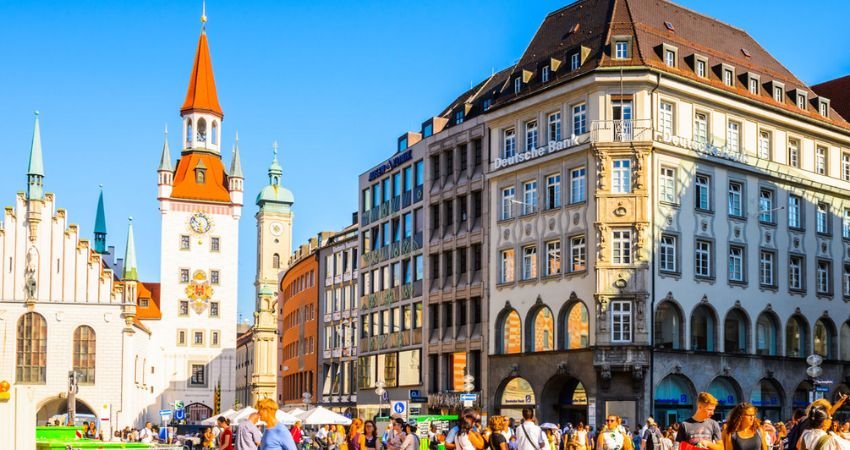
<point x="164" y="412"/>
<point x="399" y="407"/>
<point x="468" y="397"/>
<point x="180" y="414"/>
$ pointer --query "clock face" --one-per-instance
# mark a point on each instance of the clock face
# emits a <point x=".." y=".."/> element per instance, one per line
<point x="200" y="223"/>
<point x="276" y="228"/>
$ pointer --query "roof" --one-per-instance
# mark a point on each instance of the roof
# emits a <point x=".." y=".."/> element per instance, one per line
<point x="276" y="194"/>
<point x="100" y="217"/>
<point x="587" y="27"/>
<point x="213" y="188"/>
<point x="36" y="162"/>
<point x="151" y="292"/>
<point x="838" y="91"/>
<point x="201" y="95"/>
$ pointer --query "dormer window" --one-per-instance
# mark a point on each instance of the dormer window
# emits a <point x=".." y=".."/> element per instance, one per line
<point x="517" y="85"/>
<point x="823" y="106"/>
<point x="544" y="74"/>
<point x="458" y="117"/>
<point x="621" y="48"/>
<point x="575" y="61"/>
<point x="802" y="99"/>
<point x="753" y="83"/>
<point x="670" y="55"/>
<point x="487" y="103"/>
<point x="728" y="75"/>
<point x="402" y="143"/>
<point x="200" y="175"/>
<point x="427" y="130"/>
<point x="778" y="94"/>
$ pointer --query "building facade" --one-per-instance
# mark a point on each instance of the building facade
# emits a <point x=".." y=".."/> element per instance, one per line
<point x="665" y="221"/>
<point x="338" y="308"/>
<point x="244" y="364"/>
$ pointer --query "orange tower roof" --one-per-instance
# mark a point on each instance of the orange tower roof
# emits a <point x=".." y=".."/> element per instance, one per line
<point x="201" y="94"/>
<point x="214" y="186"/>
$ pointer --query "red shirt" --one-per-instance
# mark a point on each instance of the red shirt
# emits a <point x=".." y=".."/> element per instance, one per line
<point x="226" y="435"/>
<point x="296" y="435"/>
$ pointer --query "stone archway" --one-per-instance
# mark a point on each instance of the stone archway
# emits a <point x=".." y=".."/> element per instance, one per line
<point x="56" y="406"/>
<point x="564" y="400"/>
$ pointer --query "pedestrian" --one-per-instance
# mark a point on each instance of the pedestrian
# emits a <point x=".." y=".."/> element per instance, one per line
<point x="411" y="440"/>
<point x="614" y="436"/>
<point x="248" y="436"/>
<point x="651" y="437"/>
<point x="700" y="430"/>
<point x="225" y="438"/>
<point x="667" y="440"/>
<point x="296" y="434"/>
<point x="146" y="434"/>
<point x="356" y="440"/>
<point x="341" y="439"/>
<point x="743" y="430"/>
<point x="277" y="436"/>
<point x="433" y="437"/>
<point x="208" y="438"/>
<point x="579" y="437"/>
<point x="529" y="435"/>
<point x="498" y="425"/>
<point x="370" y="435"/>
<point x="817" y="437"/>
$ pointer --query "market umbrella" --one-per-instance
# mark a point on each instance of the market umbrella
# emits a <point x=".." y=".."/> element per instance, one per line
<point x="323" y="416"/>
<point x="296" y="412"/>
<point x="285" y="417"/>
<point x="242" y="414"/>
<point x="212" y="420"/>
<point x="549" y="426"/>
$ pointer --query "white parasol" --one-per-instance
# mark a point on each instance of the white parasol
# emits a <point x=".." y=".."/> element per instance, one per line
<point x="323" y="416"/>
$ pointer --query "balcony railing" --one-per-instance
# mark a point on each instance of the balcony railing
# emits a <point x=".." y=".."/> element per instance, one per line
<point x="630" y="130"/>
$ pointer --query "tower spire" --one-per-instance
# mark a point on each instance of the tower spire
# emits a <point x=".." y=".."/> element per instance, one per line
<point x="275" y="171"/>
<point x="165" y="160"/>
<point x="131" y="272"/>
<point x="202" y="95"/>
<point x="236" y="163"/>
<point x="100" y="225"/>
<point x="35" y="170"/>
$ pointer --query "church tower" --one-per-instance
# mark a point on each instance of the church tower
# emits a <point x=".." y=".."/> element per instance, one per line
<point x="274" y="245"/>
<point x="200" y="203"/>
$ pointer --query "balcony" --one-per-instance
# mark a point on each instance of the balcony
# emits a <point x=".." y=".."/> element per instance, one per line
<point x="630" y="130"/>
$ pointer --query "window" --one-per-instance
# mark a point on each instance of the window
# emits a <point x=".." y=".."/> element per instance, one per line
<point x="544" y="74"/>
<point x="198" y="338"/>
<point x="822" y="277"/>
<point x="621" y="49"/>
<point x="578" y="254"/>
<point x="553" y="257"/>
<point x="667" y="257"/>
<point x="801" y="100"/>
<point x="530" y="135"/>
<point x="184" y="242"/>
<point x="845" y="281"/>
<point x="517" y="85"/>
<point x="820" y="160"/>
<point x="736" y="195"/>
<point x="754" y="86"/>
<point x="184" y="275"/>
<point x="701" y="127"/>
<point x="214" y="339"/>
<point x="703" y="192"/>
<point x="795" y="216"/>
<point x="670" y="58"/>
<point x="764" y="144"/>
<point x="215" y="244"/>
<point x="580" y="119"/>
<point x="181" y="337"/>
<point x="458" y="117"/>
<point x="778" y="94"/>
<point x="733" y="137"/>
<point x="553" y="191"/>
<point x="845" y="224"/>
<point x="823" y="108"/>
<point x="702" y="259"/>
<point x="845" y="166"/>
<point x="31" y="352"/>
<point x="214" y="277"/>
<point x="511" y="335"/>
<point x="621" y="178"/>
<point x="794" y="153"/>
<point x="529" y="197"/>
<point x="529" y="262"/>
<point x="766" y="208"/>
<point x="575" y="61"/>
<point x="665" y="118"/>
<point x="184" y="308"/>
<point x="667" y="182"/>
<point x="621" y="249"/>
<point x="506" y="266"/>
<point x="508" y="197"/>
<point x="621" y="321"/>
<point x="767" y="267"/>
<point x="736" y="264"/>
<point x="728" y="77"/>
<point x="200" y="175"/>
<point x="795" y="273"/>
<point x="822" y="218"/>
<point x="213" y="309"/>
<point x="510" y="143"/>
<point x="700" y="68"/>
<point x="555" y="127"/>
<point x="419" y="172"/>
<point x="578" y="190"/>
<point x="198" y="375"/>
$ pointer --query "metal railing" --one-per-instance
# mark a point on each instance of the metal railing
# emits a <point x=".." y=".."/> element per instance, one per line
<point x="626" y="130"/>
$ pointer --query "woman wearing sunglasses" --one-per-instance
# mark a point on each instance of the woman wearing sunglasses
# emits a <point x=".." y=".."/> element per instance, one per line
<point x="743" y="430"/>
<point x="613" y="436"/>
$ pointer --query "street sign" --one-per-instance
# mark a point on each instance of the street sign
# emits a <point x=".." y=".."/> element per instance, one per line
<point x="414" y="393"/>
<point x="164" y="412"/>
<point x="419" y="399"/>
<point x="468" y="397"/>
<point x="180" y="414"/>
<point x="821" y="389"/>
<point x="385" y="396"/>
<point x="399" y="407"/>
<point x="178" y="404"/>
<point x="824" y="381"/>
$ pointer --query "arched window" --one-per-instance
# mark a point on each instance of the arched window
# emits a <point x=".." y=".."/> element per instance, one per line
<point x="735" y="331"/>
<point x="845" y="341"/>
<point x="674" y="399"/>
<point x="202" y="130"/>
<point x="796" y="337"/>
<point x="768" y="398"/>
<point x="276" y="261"/>
<point x="510" y="333"/>
<point x="189" y="131"/>
<point x="200" y="176"/>
<point x="214" y="133"/>
<point x="823" y="334"/>
<point x="576" y="333"/>
<point x="84" y="354"/>
<point x="727" y="393"/>
<point x="31" y="361"/>
<point x="767" y="334"/>
<point x="668" y="326"/>
<point x="703" y="329"/>
<point x="543" y="327"/>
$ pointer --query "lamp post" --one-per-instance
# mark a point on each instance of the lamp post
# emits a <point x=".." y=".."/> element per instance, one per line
<point x="380" y="391"/>
<point x="814" y="371"/>
<point x="306" y="396"/>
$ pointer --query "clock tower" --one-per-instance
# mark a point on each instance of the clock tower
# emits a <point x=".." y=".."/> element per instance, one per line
<point x="274" y="245"/>
<point x="200" y="201"/>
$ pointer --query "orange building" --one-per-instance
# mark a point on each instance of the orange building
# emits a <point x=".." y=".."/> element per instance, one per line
<point x="298" y="326"/>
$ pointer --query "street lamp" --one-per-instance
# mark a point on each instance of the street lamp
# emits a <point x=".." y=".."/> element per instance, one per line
<point x="307" y="396"/>
<point x="380" y="391"/>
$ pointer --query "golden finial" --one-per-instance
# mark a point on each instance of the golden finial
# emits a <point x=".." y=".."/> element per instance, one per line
<point x="203" y="11"/>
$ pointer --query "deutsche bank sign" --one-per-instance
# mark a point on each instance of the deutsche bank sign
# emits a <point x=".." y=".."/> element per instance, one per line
<point x="554" y="146"/>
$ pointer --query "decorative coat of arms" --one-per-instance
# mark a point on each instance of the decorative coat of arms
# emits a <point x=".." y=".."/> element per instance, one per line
<point x="199" y="291"/>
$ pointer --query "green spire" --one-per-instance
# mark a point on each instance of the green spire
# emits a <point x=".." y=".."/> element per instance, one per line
<point x="100" y="226"/>
<point x="165" y="160"/>
<point x="236" y="163"/>
<point x="275" y="171"/>
<point x="35" y="170"/>
<point x="131" y="272"/>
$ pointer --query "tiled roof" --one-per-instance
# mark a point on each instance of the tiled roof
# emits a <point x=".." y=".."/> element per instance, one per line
<point x="587" y="27"/>
<point x="202" y="95"/>
<point x="215" y="180"/>
<point x="151" y="292"/>
<point x="838" y="91"/>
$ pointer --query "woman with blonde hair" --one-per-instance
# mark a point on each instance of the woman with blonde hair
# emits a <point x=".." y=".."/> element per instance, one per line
<point x="277" y="436"/>
<point x="341" y="440"/>
<point x="356" y="439"/>
<point x="613" y="436"/>
<point x="743" y="430"/>
<point x="497" y="426"/>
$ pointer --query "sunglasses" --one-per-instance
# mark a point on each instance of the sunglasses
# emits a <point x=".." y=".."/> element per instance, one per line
<point x="611" y="420"/>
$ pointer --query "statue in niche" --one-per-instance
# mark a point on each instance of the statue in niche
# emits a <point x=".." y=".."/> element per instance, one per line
<point x="30" y="285"/>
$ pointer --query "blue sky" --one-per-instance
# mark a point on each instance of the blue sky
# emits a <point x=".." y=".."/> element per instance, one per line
<point x="335" y="82"/>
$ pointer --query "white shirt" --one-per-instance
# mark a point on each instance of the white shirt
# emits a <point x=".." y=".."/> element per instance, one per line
<point x="463" y="443"/>
<point x="146" y="436"/>
<point x="810" y="440"/>
<point x="534" y="439"/>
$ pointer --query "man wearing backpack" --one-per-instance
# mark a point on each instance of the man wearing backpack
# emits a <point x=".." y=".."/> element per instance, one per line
<point x="651" y="437"/>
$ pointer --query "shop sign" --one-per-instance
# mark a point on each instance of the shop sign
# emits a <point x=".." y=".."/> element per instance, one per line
<point x="554" y="146"/>
<point x="518" y="392"/>
<point x="703" y="148"/>
<point x="391" y="164"/>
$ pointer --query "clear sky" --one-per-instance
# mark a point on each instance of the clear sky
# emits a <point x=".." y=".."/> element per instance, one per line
<point x="335" y="82"/>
